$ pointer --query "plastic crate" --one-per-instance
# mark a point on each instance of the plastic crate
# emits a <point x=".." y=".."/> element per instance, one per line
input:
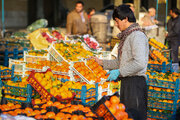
<point x="84" y="94"/>
<point x="41" y="90"/>
<point x="31" y="58"/>
<point x="18" y="91"/>
<point x="161" y="67"/>
<point x="162" y="83"/>
<point x="102" y="110"/>
<point x="160" y="115"/>
<point x="55" y="54"/>
<point x="7" y="73"/>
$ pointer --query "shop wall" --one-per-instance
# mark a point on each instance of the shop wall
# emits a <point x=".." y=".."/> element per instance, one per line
<point x="15" y="13"/>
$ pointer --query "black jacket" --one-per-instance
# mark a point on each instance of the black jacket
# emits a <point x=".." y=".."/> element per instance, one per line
<point x="173" y="28"/>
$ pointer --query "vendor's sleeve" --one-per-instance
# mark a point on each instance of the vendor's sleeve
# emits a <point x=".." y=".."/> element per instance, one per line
<point x="140" y="56"/>
<point x="110" y="64"/>
<point x="69" y="24"/>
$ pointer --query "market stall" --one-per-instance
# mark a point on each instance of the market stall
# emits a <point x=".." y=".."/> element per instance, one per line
<point x="58" y="80"/>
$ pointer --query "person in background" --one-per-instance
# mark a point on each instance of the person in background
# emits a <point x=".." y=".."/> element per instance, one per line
<point x="91" y="11"/>
<point x="77" y="20"/>
<point x="149" y="18"/>
<point x="173" y="36"/>
<point x="131" y="64"/>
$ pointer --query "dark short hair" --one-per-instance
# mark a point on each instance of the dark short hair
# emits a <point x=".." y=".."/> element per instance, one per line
<point x="80" y="2"/>
<point x="176" y="11"/>
<point x="123" y="12"/>
<point x="90" y="9"/>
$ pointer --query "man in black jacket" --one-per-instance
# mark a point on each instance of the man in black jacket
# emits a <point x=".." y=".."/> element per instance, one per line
<point x="173" y="36"/>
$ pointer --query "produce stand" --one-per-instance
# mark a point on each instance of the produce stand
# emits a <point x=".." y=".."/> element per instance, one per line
<point x="62" y="81"/>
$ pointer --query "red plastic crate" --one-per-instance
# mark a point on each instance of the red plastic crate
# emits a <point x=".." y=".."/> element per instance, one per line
<point x="42" y="91"/>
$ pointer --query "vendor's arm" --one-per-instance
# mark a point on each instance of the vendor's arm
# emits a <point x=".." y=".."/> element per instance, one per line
<point x="110" y="64"/>
<point x="140" y="50"/>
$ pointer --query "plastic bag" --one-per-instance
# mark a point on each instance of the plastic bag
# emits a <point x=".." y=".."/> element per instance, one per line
<point x="41" y="23"/>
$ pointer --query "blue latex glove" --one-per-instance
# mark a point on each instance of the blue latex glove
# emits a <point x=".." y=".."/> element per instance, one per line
<point x="113" y="74"/>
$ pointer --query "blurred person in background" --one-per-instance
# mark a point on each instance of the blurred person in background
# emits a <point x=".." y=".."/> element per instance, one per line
<point x="173" y="36"/>
<point x="149" y="18"/>
<point x="91" y="11"/>
<point x="77" y="20"/>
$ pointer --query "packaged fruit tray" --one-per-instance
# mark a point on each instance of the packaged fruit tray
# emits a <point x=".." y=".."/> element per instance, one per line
<point x="41" y="89"/>
<point x="34" y="56"/>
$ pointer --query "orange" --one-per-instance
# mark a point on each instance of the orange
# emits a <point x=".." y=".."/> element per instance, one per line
<point x="49" y="103"/>
<point x="107" y="103"/>
<point x="74" y="117"/>
<point x="50" y="114"/>
<point x="114" y="100"/>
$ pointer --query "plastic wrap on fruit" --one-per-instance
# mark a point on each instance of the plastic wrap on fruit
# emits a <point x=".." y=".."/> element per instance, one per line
<point x="41" y="23"/>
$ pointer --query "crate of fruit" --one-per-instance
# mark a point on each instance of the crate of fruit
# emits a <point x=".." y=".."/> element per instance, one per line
<point x="162" y="104"/>
<point x="104" y="108"/>
<point x="157" y="45"/>
<point x="48" y="86"/>
<point x="36" y="55"/>
<point x="160" y="67"/>
<point x="168" y="83"/>
<point x="68" y="51"/>
<point x="87" y="94"/>
<point x="90" y="71"/>
<point x="19" y="66"/>
<point x="160" y="114"/>
<point x="6" y="73"/>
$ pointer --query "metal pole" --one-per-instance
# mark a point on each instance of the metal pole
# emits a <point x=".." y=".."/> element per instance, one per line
<point x="3" y="24"/>
<point x="166" y="15"/>
<point x="156" y="9"/>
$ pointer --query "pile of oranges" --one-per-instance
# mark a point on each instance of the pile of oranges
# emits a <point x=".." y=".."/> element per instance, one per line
<point x="65" y="111"/>
<point x="156" y="44"/>
<point x="72" y="51"/>
<point x="53" y="85"/>
<point x="115" y="107"/>
<point x="156" y="55"/>
<point x="92" y="72"/>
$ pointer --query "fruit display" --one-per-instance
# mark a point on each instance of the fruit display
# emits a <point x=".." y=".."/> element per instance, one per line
<point x="72" y="51"/>
<point x="50" y="83"/>
<point x="54" y="66"/>
<point x="51" y="110"/>
<point x="90" y="42"/>
<point x="57" y="35"/>
<point x="156" y="44"/>
<point x="156" y="55"/>
<point x="5" y="72"/>
<point x="110" y="108"/>
<point x="90" y="70"/>
<point x="36" y="55"/>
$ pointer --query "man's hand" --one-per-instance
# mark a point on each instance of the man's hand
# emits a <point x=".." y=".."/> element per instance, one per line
<point x="113" y="74"/>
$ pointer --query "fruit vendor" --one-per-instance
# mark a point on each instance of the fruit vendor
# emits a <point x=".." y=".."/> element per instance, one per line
<point x="131" y="63"/>
<point x="173" y="36"/>
<point x="77" y="20"/>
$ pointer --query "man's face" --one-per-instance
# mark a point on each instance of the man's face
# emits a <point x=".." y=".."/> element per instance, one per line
<point x="79" y="7"/>
<point x="152" y="13"/>
<point x="120" y="24"/>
